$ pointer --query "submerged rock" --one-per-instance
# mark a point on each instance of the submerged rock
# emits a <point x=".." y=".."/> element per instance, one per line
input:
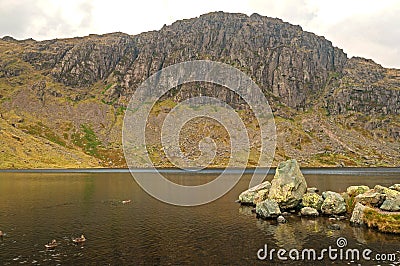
<point x="312" y="200"/>
<point x="370" y="198"/>
<point x="353" y="191"/>
<point x="334" y="227"/>
<point x="390" y="204"/>
<point x="308" y="211"/>
<point x="247" y="197"/>
<point x="288" y="185"/>
<point x="333" y="203"/>
<point x="281" y="219"/>
<point x="268" y="209"/>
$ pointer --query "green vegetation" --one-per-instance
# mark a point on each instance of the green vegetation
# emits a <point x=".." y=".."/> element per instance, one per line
<point x="106" y="88"/>
<point x="87" y="140"/>
<point x="41" y="130"/>
<point x="121" y="110"/>
<point x="384" y="222"/>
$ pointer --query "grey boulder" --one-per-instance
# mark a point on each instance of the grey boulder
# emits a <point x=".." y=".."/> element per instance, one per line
<point x="308" y="211"/>
<point x="248" y="196"/>
<point x="268" y="209"/>
<point x="333" y="203"/>
<point x="288" y="185"/>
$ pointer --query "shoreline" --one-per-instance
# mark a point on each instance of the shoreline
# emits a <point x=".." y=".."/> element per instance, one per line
<point x="305" y="170"/>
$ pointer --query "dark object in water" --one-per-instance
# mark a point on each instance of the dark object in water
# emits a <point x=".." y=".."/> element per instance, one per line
<point x="51" y="245"/>
<point x="334" y="227"/>
<point x="78" y="240"/>
<point x="281" y="219"/>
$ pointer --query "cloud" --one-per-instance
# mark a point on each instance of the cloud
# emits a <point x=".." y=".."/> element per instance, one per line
<point x="45" y="19"/>
<point x="15" y="17"/>
<point x="297" y="12"/>
<point x="374" y="36"/>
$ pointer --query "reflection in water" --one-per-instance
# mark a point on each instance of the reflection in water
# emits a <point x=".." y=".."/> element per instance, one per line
<point x="246" y="210"/>
<point x="89" y="189"/>
<point x="36" y="208"/>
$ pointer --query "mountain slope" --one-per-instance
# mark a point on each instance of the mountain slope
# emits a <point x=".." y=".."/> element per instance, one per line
<point x="329" y="110"/>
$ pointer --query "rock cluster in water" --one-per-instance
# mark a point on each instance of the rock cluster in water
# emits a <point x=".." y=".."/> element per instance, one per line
<point x="376" y="208"/>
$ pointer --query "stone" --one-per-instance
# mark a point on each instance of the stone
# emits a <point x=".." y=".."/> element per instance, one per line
<point x="370" y="198"/>
<point x="395" y="187"/>
<point x="268" y="209"/>
<point x="312" y="200"/>
<point x="308" y="211"/>
<point x="281" y="219"/>
<point x="353" y="191"/>
<point x="333" y="203"/>
<point x="288" y="185"/>
<point x="390" y="204"/>
<point x="390" y="193"/>
<point x="334" y="226"/>
<point x="312" y="190"/>
<point x="357" y="216"/>
<point x="247" y="197"/>
<point x="260" y="196"/>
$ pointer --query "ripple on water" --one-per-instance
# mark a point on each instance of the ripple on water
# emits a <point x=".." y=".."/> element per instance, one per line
<point x="151" y="232"/>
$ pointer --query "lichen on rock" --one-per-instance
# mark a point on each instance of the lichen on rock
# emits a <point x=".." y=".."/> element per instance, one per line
<point x="248" y="196"/>
<point x="312" y="200"/>
<point x="288" y="185"/>
<point x="333" y="203"/>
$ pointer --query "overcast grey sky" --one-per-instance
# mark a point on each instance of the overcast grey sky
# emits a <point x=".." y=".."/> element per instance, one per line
<point x="367" y="28"/>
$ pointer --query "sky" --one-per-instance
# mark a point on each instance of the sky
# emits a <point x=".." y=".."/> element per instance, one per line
<point x="366" y="28"/>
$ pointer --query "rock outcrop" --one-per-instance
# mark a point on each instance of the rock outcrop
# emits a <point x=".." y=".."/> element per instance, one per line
<point x="365" y="87"/>
<point x="61" y="85"/>
<point x="377" y="208"/>
<point x="371" y="212"/>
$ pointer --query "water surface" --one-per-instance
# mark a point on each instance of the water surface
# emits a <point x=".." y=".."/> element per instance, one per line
<point x="36" y="207"/>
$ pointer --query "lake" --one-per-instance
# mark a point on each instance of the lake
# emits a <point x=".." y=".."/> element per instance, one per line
<point x="36" y="207"/>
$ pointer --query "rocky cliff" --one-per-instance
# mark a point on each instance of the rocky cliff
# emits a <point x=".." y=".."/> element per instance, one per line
<point x="329" y="110"/>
